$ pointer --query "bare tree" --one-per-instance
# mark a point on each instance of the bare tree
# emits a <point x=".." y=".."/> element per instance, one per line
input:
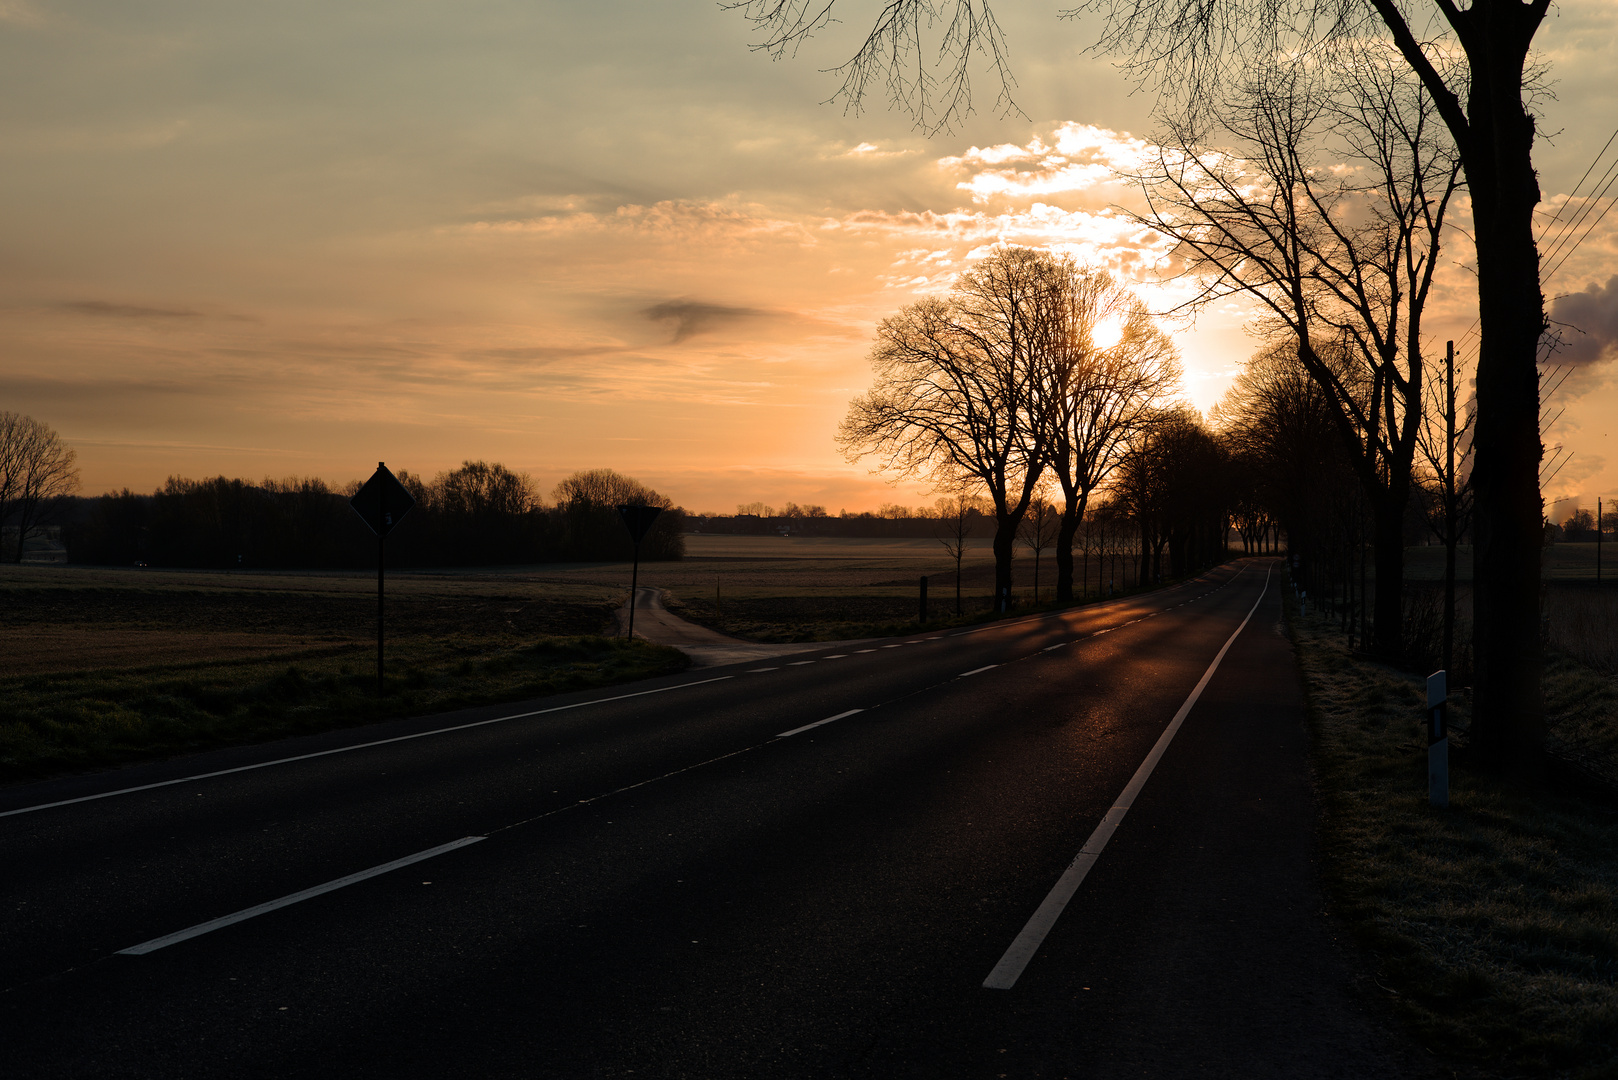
<point x="1038" y="532"/>
<point x="1171" y="484"/>
<point x="956" y="389"/>
<point x="1340" y="260"/>
<point x="1096" y="398"/>
<point x="37" y="474"/>
<point x="956" y="515"/>
<point x="1446" y="446"/>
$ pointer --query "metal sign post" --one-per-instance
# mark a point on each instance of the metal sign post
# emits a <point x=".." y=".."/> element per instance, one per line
<point x="381" y="503"/>
<point x="638" y="520"/>
<point x="1438" y="739"/>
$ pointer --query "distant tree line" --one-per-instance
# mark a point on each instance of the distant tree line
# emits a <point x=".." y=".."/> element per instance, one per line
<point x="890" y="520"/>
<point x="477" y="515"/>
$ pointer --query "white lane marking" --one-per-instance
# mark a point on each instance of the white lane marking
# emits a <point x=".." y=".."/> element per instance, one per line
<point x="357" y="746"/>
<point x="1011" y="965"/>
<point x="1050" y="648"/>
<point x="800" y="663"/>
<point x="759" y="670"/>
<point x="899" y="645"/>
<point x="976" y="670"/>
<point x="292" y="898"/>
<point x="835" y="656"/>
<point x="864" y="650"/>
<point x="932" y="639"/>
<point x="817" y="723"/>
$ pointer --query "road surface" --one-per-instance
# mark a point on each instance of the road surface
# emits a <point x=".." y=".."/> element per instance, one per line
<point x="805" y="867"/>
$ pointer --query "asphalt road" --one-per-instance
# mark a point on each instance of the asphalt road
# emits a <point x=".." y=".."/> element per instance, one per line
<point x="667" y="885"/>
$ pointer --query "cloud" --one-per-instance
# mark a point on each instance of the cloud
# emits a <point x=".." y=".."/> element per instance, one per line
<point x="691" y="317"/>
<point x="128" y="311"/>
<point x="1589" y="321"/>
<point x="21" y="13"/>
<point x="1073" y="159"/>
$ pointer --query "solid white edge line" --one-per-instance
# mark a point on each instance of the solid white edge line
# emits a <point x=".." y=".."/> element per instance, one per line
<point x="292" y="898"/>
<point x="817" y="723"/>
<point x="1016" y="958"/>
<point x="976" y="670"/>
<point x="356" y="746"/>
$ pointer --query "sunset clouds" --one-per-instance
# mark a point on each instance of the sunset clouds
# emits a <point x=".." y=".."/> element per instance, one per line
<point x="300" y="238"/>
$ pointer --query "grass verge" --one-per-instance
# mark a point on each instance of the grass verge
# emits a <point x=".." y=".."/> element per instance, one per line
<point x="1493" y="925"/>
<point x="62" y="722"/>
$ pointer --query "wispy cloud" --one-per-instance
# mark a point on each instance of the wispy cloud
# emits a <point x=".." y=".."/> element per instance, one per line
<point x="692" y="317"/>
<point x="107" y="309"/>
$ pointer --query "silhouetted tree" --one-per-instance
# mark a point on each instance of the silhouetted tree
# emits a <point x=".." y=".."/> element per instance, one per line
<point x="957" y="386"/>
<point x="587" y="505"/>
<point x="1095" y="398"/>
<point x="956" y="515"/>
<point x="37" y="475"/>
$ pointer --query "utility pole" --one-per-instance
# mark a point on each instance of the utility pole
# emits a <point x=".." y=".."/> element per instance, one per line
<point x="1449" y="506"/>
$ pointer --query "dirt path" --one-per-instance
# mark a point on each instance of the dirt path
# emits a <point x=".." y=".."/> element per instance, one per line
<point x="705" y="647"/>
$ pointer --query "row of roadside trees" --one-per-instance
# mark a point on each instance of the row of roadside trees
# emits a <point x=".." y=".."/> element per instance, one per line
<point x="1445" y="88"/>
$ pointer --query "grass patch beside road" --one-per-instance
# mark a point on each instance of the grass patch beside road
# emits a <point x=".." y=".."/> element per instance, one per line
<point x="1493" y="925"/>
<point x="67" y="721"/>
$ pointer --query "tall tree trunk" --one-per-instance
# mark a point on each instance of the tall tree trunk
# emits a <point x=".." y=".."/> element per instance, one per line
<point x="1508" y="714"/>
<point x="1065" y="532"/>
<point x="1005" y="539"/>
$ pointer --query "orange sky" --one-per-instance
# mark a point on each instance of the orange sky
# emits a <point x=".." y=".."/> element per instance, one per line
<point x="299" y="238"/>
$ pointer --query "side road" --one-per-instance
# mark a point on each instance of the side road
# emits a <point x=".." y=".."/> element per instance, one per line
<point x="705" y="647"/>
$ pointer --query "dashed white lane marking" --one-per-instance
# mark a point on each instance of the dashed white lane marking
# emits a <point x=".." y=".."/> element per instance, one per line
<point x="817" y="723"/>
<point x="800" y="663"/>
<point x="360" y="746"/>
<point x="835" y="656"/>
<point x="896" y="645"/>
<point x="976" y="670"/>
<point x="260" y="909"/>
<point x="864" y="650"/>
<point x="757" y="670"/>
<point x="1050" y="648"/>
<point x="1011" y="965"/>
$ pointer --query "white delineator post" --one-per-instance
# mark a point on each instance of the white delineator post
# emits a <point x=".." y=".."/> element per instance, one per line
<point x="1438" y="739"/>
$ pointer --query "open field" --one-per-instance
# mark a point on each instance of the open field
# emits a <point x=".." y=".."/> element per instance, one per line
<point x="773" y="588"/>
<point x="1560" y="562"/>
<point x="108" y="665"/>
<point x="1493" y="925"/>
<point x="105" y="666"/>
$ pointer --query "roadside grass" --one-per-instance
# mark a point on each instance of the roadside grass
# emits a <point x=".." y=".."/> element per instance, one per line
<point x="1583" y="622"/>
<point x="1493" y="925"/>
<point x="76" y="720"/>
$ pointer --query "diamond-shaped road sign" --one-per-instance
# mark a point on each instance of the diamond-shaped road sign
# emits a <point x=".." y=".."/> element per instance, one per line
<point x="382" y="501"/>
<point x="638" y="520"/>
